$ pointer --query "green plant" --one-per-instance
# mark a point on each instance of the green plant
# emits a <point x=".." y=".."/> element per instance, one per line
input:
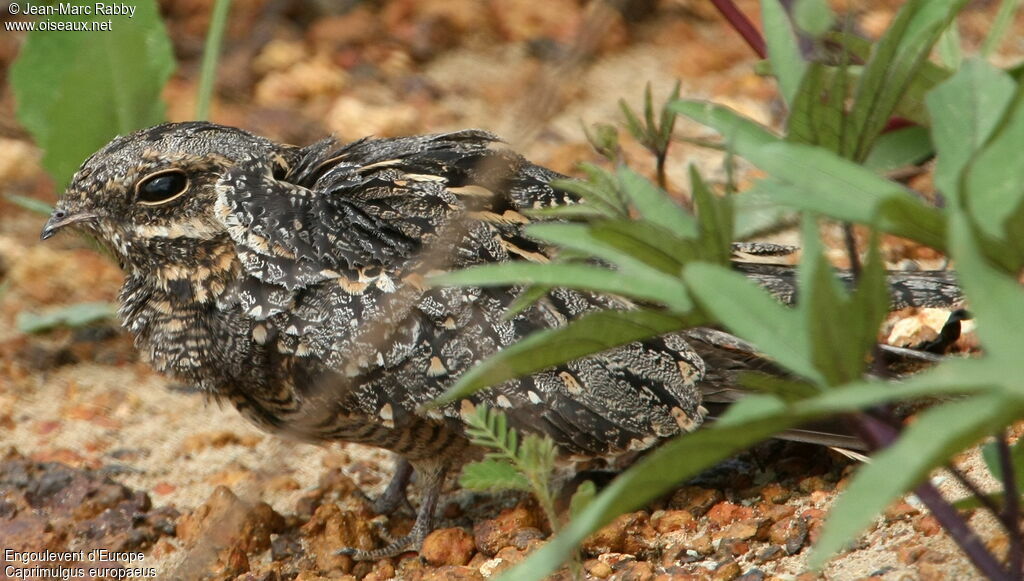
<point x="511" y="465"/>
<point x="75" y="91"/>
<point x="526" y="466"/>
<point x="848" y="115"/>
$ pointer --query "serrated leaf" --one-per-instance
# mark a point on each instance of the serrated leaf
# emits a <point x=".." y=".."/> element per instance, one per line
<point x="73" y="316"/>
<point x="585" y="336"/>
<point x="75" y="91"/>
<point x="536" y="457"/>
<point x="492" y="475"/>
<point x="926" y="444"/>
<point x="633" y="124"/>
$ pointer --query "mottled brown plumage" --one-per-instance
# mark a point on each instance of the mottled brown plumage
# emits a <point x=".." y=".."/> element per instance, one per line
<point x="290" y="282"/>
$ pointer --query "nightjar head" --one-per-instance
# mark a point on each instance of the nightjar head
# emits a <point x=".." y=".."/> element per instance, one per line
<point x="150" y="196"/>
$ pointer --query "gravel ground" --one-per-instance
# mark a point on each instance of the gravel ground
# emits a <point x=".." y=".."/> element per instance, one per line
<point x="100" y="452"/>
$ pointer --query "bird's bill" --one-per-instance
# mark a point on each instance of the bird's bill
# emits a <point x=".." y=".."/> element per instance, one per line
<point x="61" y="218"/>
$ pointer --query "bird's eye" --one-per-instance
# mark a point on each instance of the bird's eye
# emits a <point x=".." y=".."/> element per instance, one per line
<point x="161" y="187"/>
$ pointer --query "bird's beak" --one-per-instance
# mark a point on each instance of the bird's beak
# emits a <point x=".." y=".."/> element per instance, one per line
<point x="61" y="218"/>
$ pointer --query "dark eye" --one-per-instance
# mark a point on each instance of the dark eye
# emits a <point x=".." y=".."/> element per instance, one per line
<point x="161" y="187"/>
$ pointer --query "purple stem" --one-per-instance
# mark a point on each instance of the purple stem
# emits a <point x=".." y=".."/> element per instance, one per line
<point x="1011" y="510"/>
<point x="741" y="24"/>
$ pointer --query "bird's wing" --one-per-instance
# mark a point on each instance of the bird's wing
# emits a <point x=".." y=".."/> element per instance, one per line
<point x="334" y="253"/>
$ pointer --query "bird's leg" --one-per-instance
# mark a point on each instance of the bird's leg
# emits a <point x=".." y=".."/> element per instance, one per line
<point x="394" y="495"/>
<point x="431" y="475"/>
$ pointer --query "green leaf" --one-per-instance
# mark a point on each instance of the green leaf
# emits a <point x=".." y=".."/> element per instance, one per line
<point x="492" y="475"/>
<point x="30" y="204"/>
<point x="956" y="377"/>
<point x="643" y="242"/>
<point x="927" y="443"/>
<point x="536" y="458"/>
<point x="715" y="218"/>
<point x="750" y="409"/>
<point x="76" y="90"/>
<point x="740" y="133"/>
<point x="972" y="502"/>
<point x="819" y="181"/>
<point x="585" y="336"/>
<point x="72" y="316"/>
<point x="757" y="214"/>
<point x="814" y="17"/>
<point x="783" y="388"/>
<point x="211" y="55"/>
<point x="599" y="190"/>
<point x="632" y="281"/>
<point x="753" y="314"/>
<point x="832" y="345"/>
<point x="582" y="498"/>
<point x="950" y="48"/>
<point x="816" y="115"/>
<point x="633" y="123"/>
<point x="842" y="328"/>
<point x="996" y="299"/>
<point x="899" y="149"/>
<point x="994" y="180"/>
<point x="658" y="472"/>
<point x="654" y="205"/>
<point x="788" y="64"/>
<point x="990" y="453"/>
<point x="1003" y="19"/>
<point x="897" y="58"/>
<point x="965" y="111"/>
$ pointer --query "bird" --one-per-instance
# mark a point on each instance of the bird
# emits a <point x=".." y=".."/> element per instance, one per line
<point x="292" y="283"/>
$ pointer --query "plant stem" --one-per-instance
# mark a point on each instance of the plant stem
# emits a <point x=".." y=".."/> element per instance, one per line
<point x="741" y="24"/>
<point x="660" y="160"/>
<point x="851" y="250"/>
<point x="880" y="434"/>
<point x="211" y="54"/>
<point x="1011" y="510"/>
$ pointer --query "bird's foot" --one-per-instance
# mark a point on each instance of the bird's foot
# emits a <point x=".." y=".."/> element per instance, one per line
<point x="432" y="477"/>
<point x="395" y="546"/>
<point x="394" y="496"/>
